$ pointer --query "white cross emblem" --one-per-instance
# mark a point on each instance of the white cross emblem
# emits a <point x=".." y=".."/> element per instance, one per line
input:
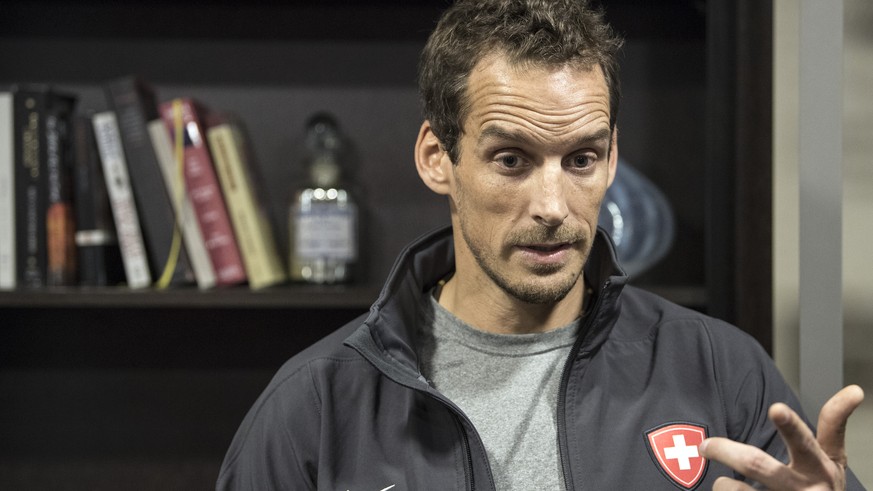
<point x="675" y="448"/>
<point x="681" y="452"/>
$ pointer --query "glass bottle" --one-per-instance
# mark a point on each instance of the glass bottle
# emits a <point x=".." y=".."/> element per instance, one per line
<point x="323" y="216"/>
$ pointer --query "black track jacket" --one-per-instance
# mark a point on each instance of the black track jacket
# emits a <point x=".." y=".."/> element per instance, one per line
<point x="643" y="384"/>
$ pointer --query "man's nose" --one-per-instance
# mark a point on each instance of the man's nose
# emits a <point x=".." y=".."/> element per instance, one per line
<point x="549" y="200"/>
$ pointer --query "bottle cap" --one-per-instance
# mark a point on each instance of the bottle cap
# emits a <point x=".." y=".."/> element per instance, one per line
<point x="324" y="144"/>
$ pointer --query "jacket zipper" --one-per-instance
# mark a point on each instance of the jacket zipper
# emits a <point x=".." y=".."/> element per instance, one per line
<point x="562" y="395"/>
<point x="459" y="416"/>
<point x="468" y="471"/>
<point x="454" y="410"/>
<point x="465" y="439"/>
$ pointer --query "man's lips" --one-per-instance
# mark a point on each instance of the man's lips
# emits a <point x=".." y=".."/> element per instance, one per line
<point x="545" y="248"/>
<point x="548" y="252"/>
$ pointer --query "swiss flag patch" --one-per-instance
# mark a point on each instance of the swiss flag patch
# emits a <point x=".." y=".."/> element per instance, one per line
<point x="674" y="449"/>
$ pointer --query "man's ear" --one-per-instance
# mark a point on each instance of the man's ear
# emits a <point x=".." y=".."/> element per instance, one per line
<point x="432" y="161"/>
<point x="613" y="156"/>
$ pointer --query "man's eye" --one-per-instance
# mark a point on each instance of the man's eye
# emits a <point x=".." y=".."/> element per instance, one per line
<point x="509" y="161"/>
<point x="582" y="161"/>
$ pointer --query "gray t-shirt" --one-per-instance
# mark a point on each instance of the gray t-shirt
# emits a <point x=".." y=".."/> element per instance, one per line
<point x="507" y="385"/>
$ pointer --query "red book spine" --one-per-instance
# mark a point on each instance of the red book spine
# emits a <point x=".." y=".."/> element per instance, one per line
<point x="202" y="185"/>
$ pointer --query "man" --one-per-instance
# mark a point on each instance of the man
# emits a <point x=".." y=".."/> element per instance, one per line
<point x="507" y="352"/>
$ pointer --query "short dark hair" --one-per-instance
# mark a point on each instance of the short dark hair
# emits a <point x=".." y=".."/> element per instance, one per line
<point x="538" y="32"/>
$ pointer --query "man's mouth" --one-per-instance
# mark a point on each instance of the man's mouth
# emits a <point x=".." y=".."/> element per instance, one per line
<point x="546" y="248"/>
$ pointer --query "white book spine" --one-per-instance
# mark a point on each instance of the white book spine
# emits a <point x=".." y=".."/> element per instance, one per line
<point x="7" y="192"/>
<point x="192" y="236"/>
<point x="127" y="226"/>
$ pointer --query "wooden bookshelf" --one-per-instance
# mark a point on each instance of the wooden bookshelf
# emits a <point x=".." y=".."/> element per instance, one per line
<point x="197" y="359"/>
<point x="284" y="297"/>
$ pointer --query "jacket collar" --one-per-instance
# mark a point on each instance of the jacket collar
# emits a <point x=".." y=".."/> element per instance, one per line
<point x="387" y="337"/>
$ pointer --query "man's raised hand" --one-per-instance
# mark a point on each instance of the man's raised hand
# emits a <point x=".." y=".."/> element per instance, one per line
<point x="815" y="463"/>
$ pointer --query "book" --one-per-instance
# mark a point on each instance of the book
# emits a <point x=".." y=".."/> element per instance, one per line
<point x="182" y="119"/>
<point x="135" y="105"/>
<point x="59" y="221"/>
<point x="7" y="192"/>
<point x="99" y="257"/>
<point x="30" y="103"/>
<point x="186" y="220"/>
<point x="124" y="213"/>
<point x="235" y="165"/>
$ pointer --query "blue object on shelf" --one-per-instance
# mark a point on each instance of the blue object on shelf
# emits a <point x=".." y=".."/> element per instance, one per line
<point x="638" y="217"/>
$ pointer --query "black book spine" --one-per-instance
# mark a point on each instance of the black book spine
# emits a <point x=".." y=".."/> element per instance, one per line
<point x="135" y="106"/>
<point x="30" y="185"/>
<point x="60" y="222"/>
<point x="99" y="257"/>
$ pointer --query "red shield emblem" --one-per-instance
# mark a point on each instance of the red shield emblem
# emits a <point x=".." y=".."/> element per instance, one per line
<point x="674" y="450"/>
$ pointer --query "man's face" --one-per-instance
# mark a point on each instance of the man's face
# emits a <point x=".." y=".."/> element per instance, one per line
<point x="535" y="159"/>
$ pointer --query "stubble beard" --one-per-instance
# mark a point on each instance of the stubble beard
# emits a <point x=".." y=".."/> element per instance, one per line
<point x="532" y="292"/>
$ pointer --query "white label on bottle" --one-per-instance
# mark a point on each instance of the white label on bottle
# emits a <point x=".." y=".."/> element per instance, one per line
<point x="327" y="231"/>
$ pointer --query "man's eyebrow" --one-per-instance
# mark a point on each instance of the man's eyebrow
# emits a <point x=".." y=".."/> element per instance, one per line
<point x="498" y="133"/>
<point x="597" y="137"/>
<point x="502" y="134"/>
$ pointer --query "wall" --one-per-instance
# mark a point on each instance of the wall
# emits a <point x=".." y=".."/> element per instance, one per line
<point x="857" y="209"/>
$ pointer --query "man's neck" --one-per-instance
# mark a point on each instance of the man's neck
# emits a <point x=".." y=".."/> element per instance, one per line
<point x="492" y="309"/>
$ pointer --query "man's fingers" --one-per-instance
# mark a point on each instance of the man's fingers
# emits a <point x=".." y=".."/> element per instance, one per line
<point x="748" y="460"/>
<point x="832" y="421"/>
<point x="812" y="459"/>
<point x="803" y="448"/>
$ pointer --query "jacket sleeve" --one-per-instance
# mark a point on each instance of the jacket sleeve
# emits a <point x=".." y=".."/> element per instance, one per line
<point x="273" y="447"/>
<point x="750" y="384"/>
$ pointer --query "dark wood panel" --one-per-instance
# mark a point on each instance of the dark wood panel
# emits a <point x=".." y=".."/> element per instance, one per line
<point x="205" y="338"/>
<point x="371" y="20"/>
<point x="739" y="165"/>
<point x="754" y="171"/>
<point x="281" y="297"/>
